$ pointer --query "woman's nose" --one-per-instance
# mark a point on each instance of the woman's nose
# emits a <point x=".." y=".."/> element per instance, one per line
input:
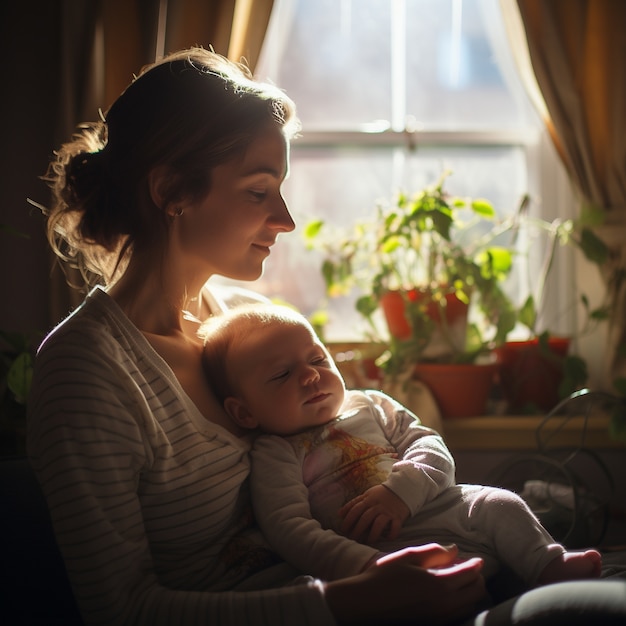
<point x="281" y="219"/>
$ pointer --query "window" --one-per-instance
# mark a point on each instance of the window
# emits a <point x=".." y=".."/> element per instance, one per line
<point x="391" y="93"/>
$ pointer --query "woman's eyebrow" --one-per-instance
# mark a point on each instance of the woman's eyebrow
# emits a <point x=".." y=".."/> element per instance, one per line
<point x="262" y="169"/>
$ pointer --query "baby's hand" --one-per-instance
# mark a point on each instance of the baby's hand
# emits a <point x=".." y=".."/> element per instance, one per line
<point x="377" y="511"/>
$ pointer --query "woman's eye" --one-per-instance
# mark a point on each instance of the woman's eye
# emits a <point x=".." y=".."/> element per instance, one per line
<point x="258" y="195"/>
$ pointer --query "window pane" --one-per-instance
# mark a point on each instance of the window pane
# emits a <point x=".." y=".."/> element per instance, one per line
<point x="341" y="185"/>
<point x="459" y="70"/>
<point x="444" y="63"/>
<point x="334" y="52"/>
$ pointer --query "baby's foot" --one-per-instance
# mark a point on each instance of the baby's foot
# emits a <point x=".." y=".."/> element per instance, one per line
<point x="572" y="566"/>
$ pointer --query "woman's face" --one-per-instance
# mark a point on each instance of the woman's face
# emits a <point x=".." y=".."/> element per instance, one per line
<point x="231" y="230"/>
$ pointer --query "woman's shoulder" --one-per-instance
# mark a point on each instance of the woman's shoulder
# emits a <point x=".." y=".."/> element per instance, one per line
<point x="95" y="327"/>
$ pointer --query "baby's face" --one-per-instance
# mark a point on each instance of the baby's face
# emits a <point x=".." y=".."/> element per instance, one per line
<point x="287" y="380"/>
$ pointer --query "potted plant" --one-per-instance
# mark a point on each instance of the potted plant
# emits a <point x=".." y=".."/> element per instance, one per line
<point x="435" y="266"/>
<point x="537" y="369"/>
<point x="17" y="351"/>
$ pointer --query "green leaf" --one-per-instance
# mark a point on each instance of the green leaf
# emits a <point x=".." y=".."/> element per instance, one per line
<point x="319" y="320"/>
<point x="13" y="232"/>
<point x="312" y="229"/>
<point x="442" y="221"/>
<point x="600" y="314"/>
<point x="495" y="261"/>
<point x="329" y="273"/>
<point x="20" y="376"/>
<point x="575" y="375"/>
<point x="593" y="247"/>
<point x="366" y="305"/>
<point x="483" y="207"/>
<point x="592" y="216"/>
<point x="391" y="244"/>
<point x="506" y="323"/>
<point x="528" y="313"/>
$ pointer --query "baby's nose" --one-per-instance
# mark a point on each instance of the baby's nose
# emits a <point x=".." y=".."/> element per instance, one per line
<point x="310" y="376"/>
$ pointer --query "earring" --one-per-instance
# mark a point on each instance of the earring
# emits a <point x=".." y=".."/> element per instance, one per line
<point x="178" y="211"/>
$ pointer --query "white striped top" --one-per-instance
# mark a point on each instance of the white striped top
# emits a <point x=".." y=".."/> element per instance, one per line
<point x="149" y="500"/>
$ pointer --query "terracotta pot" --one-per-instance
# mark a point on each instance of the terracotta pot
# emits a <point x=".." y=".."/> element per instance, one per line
<point x="440" y="345"/>
<point x="461" y="389"/>
<point x="529" y="377"/>
<point x="393" y="303"/>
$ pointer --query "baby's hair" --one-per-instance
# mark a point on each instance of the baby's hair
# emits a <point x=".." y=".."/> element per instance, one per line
<point x="222" y="333"/>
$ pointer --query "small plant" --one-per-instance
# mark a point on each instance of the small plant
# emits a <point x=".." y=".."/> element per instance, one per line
<point x="16" y="371"/>
<point x="547" y="237"/>
<point x="556" y="234"/>
<point x="435" y="254"/>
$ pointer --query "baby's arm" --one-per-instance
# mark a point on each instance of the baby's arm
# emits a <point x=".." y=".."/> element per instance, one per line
<point x="425" y="467"/>
<point x="281" y="505"/>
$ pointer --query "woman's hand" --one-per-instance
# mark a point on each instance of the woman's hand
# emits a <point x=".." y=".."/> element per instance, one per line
<point x="424" y="584"/>
<point x="378" y="510"/>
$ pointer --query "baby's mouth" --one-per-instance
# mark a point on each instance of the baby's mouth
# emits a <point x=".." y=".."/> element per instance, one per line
<point x="318" y="397"/>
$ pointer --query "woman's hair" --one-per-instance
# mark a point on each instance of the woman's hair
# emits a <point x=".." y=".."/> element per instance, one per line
<point x="187" y="113"/>
<point x="228" y="331"/>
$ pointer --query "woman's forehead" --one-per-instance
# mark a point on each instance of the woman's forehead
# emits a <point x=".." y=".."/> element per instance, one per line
<point x="267" y="153"/>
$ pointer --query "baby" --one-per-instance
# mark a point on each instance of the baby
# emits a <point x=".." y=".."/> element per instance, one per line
<point x="340" y="476"/>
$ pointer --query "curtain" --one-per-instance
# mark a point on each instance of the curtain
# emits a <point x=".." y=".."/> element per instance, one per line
<point x="106" y="41"/>
<point x="577" y="49"/>
<point x="234" y="28"/>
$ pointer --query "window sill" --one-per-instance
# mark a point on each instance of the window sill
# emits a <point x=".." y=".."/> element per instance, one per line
<point x="491" y="432"/>
<point x="516" y="432"/>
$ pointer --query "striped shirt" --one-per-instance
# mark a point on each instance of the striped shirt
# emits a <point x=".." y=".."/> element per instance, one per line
<point x="148" y="499"/>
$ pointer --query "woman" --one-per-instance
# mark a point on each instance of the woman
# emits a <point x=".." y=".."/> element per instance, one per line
<point x="144" y="475"/>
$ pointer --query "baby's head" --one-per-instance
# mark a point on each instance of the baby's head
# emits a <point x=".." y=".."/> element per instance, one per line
<point x="267" y="366"/>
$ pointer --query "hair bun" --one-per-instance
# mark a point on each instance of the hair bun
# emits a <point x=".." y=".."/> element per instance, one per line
<point x="85" y="172"/>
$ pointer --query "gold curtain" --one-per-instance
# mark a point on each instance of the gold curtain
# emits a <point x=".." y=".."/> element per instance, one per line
<point x="234" y="28"/>
<point x="577" y="50"/>
<point x="106" y="41"/>
<point x="136" y="32"/>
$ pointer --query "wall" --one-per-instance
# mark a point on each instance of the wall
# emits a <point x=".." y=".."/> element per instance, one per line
<point x="30" y="52"/>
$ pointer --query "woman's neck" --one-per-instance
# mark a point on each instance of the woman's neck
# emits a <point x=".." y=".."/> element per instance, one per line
<point x="156" y="302"/>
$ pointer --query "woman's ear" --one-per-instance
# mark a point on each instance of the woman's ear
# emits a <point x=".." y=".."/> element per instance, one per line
<point x="159" y="182"/>
<point x="156" y="184"/>
<point x="238" y="412"/>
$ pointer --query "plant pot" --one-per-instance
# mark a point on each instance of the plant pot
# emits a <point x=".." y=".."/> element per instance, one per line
<point x="460" y="389"/>
<point x="530" y="374"/>
<point x="442" y="343"/>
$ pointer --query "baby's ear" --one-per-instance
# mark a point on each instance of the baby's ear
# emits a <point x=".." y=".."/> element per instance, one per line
<point x="238" y="412"/>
